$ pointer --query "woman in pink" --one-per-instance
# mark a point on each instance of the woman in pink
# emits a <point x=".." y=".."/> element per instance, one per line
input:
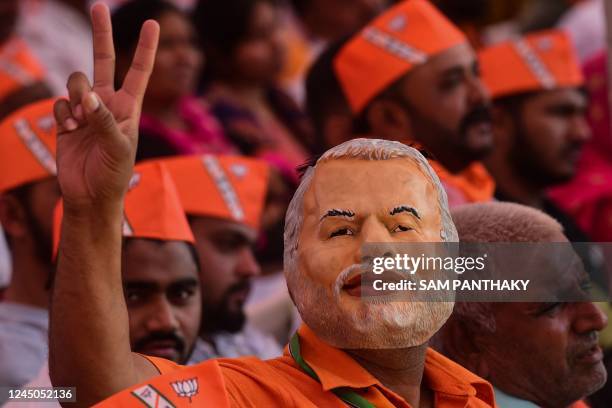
<point x="242" y="40"/>
<point x="173" y="121"/>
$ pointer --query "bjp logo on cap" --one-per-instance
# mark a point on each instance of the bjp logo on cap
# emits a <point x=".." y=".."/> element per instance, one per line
<point x="239" y="170"/>
<point x="545" y="44"/>
<point x="398" y="23"/>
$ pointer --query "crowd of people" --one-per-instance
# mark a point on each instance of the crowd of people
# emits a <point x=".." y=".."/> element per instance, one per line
<point x="186" y="188"/>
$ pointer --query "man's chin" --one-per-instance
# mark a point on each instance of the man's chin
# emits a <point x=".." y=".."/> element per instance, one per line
<point x="593" y="375"/>
<point x="227" y="317"/>
<point x="478" y="145"/>
<point x="478" y="152"/>
<point x="358" y="324"/>
<point x="350" y="322"/>
<point x="585" y="382"/>
<point x="563" y="176"/>
<point x="231" y="322"/>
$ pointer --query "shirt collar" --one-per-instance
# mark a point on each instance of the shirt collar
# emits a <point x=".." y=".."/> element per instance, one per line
<point x="335" y="368"/>
<point x="445" y="376"/>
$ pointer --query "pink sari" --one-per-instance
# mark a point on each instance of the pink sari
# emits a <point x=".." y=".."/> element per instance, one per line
<point x="204" y="134"/>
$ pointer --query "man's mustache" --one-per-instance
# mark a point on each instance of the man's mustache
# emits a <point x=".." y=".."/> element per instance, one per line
<point x="364" y="269"/>
<point x="344" y="276"/>
<point x="179" y="343"/>
<point x="585" y="344"/>
<point x="572" y="147"/>
<point x="480" y="114"/>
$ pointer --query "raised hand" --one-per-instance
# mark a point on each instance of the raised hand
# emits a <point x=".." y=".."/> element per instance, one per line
<point x="97" y="137"/>
<point x="98" y="126"/>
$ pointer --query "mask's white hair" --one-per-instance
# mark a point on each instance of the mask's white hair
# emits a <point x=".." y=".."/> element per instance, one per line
<point x="364" y="149"/>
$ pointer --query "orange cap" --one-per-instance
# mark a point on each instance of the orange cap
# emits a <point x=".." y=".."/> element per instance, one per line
<point x="229" y="187"/>
<point x="18" y="68"/>
<point x="539" y="61"/>
<point x="402" y="37"/>
<point x="27" y="145"/>
<point x="152" y="208"/>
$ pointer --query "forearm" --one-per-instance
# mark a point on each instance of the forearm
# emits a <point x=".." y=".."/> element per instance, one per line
<point x="89" y="344"/>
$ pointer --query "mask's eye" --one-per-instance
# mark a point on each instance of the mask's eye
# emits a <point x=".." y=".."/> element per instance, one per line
<point x="342" y="231"/>
<point x="401" y="228"/>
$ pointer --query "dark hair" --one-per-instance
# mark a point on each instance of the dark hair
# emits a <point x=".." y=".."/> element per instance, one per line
<point x="221" y="26"/>
<point x="24" y="96"/>
<point x="310" y="162"/>
<point x="151" y="146"/>
<point x="464" y="11"/>
<point x="324" y="94"/>
<point x="361" y="124"/>
<point x="128" y="19"/>
<point x="300" y="6"/>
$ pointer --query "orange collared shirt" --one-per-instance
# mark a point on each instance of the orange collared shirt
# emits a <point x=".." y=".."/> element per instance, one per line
<point x="251" y="382"/>
<point x="474" y="183"/>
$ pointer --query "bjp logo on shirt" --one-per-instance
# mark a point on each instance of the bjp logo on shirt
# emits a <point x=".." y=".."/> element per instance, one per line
<point x="186" y="388"/>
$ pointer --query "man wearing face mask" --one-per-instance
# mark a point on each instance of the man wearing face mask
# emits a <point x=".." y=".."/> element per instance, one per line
<point x="349" y="351"/>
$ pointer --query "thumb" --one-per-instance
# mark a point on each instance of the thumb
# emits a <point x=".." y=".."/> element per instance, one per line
<point x="98" y="116"/>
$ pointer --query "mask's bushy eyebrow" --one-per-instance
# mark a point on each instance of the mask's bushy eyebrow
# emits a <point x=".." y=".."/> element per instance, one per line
<point x="405" y="208"/>
<point x="338" y="213"/>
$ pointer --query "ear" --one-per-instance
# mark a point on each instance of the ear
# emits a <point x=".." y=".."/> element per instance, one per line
<point x="13" y="216"/>
<point x="388" y="120"/>
<point x="481" y="348"/>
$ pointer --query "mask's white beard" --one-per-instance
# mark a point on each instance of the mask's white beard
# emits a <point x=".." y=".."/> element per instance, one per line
<point x="349" y="322"/>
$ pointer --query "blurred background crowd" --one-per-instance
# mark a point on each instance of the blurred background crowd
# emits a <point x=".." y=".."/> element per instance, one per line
<point x="254" y="79"/>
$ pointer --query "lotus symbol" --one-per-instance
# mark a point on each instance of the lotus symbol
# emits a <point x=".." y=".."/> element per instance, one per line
<point x="186" y="388"/>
